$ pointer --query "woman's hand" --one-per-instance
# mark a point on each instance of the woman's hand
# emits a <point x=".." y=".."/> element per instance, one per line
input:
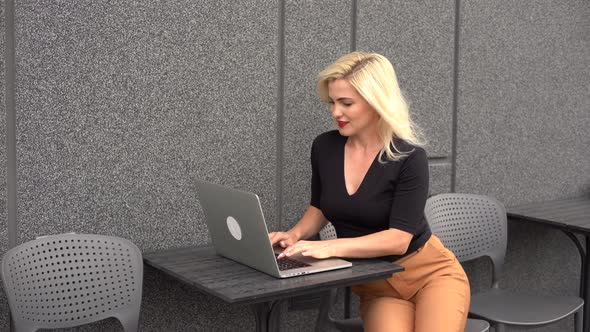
<point x="315" y="249"/>
<point x="309" y="225"/>
<point x="284" y="239"/>
<point x="384" y="243"/>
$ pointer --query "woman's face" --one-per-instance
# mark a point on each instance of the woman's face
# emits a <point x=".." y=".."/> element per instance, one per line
<point x="353" y="115"/>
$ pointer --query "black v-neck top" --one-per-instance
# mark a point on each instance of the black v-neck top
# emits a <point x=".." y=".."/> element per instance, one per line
<point x="392" y="194"/>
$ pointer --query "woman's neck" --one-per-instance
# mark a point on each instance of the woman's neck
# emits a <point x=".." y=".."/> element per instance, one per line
<point x="365" y="142"/>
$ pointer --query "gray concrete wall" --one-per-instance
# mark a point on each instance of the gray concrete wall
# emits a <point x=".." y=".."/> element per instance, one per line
<point x="119" y="105"/>
<point x="522" y="126"/>
<point x="3" y="212"/>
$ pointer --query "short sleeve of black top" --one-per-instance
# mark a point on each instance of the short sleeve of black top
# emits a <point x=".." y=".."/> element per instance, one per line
<point x="392" y="194"/>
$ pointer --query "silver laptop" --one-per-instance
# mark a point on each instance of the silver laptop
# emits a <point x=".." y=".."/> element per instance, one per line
<point x="238" y="231"/>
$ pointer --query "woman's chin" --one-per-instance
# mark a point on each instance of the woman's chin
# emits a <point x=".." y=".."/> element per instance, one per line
<point x="343" y="131"/>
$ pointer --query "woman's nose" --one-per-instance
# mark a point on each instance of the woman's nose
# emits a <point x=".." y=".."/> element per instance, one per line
<point x="336" y="111"/>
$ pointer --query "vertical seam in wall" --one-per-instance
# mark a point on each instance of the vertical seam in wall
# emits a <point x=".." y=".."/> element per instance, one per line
<point x="10" y="103"/>
<point x="353" y="11"/>
<point x="280" y="112"/>
<point x="438" y="160"/>
<point x="455" y="95"/>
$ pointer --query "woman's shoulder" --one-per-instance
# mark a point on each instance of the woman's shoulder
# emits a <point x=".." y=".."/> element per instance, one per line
<point x="329" y="138"/>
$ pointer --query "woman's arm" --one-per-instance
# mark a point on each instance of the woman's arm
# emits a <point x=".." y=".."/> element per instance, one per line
<point x="310" y="224"/>
<point x="391" y="242"/>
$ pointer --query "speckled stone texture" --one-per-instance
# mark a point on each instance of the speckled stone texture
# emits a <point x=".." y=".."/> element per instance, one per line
<point x="440" y="178"/>
<point x="523" y="99"/>
<point x="417" y="37"/>
<point x="4" y="325"/>
<point x="316" y="34"/>
<point x="121" y="104"/>
<point x="523" y="124"/>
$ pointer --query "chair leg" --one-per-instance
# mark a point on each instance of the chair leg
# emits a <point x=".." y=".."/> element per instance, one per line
<point x="499" y="327"/>
<point x="347" y="292"/>
<point x="579" y="319"/>
<point x="323" y="321"/>
<point x="130" y="323"/>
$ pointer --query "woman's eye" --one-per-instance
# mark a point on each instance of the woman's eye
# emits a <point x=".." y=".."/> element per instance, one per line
<point x="347" y="104"/>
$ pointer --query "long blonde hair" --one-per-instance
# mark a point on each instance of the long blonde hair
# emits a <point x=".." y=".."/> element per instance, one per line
<point x="373" y="76"/>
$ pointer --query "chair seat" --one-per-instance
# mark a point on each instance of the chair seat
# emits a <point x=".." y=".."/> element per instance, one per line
<point x="507" y="307"/>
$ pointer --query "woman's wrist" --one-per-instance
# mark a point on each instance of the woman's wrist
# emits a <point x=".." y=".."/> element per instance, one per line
<point x="336" y="248"/>
<point x="293" y="232"/>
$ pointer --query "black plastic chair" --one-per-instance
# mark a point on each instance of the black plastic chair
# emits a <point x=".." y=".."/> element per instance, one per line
<point x="68" y="280"/>
<point x="474" y="226"/>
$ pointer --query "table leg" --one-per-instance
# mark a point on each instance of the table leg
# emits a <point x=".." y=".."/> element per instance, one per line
<point x="267" y="316"/>
<point x="585" y="274"/>
<point x="586" y="282"/>
<point x="323" y="321"/>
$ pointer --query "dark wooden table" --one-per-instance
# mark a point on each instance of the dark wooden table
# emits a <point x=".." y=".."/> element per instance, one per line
<point x="571" y="216"/>
<point x="235" y="283"/>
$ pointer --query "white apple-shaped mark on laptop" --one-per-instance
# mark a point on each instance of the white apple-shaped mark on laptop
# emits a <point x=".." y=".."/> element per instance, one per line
<point x="234" y="228"/>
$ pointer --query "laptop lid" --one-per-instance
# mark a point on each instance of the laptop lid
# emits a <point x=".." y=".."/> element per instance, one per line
<point x="238" y="231"/>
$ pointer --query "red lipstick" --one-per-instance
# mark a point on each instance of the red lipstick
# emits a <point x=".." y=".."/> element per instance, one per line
<point x="341" y="124"/>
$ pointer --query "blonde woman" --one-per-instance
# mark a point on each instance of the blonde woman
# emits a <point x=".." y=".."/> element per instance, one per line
<point x="370" y="179"/>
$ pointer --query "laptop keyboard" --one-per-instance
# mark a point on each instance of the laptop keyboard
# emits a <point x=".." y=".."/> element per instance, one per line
<point x="288" y="264"/>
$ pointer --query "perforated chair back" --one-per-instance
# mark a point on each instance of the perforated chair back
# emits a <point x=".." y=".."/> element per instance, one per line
<point x="73" y="279"/>
<point x="328" y="232"/>
<point x="356" y="324"/>
<point x="471" y="226"/>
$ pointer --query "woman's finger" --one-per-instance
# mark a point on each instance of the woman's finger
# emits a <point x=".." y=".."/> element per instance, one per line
<point x="296" y="248"/>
